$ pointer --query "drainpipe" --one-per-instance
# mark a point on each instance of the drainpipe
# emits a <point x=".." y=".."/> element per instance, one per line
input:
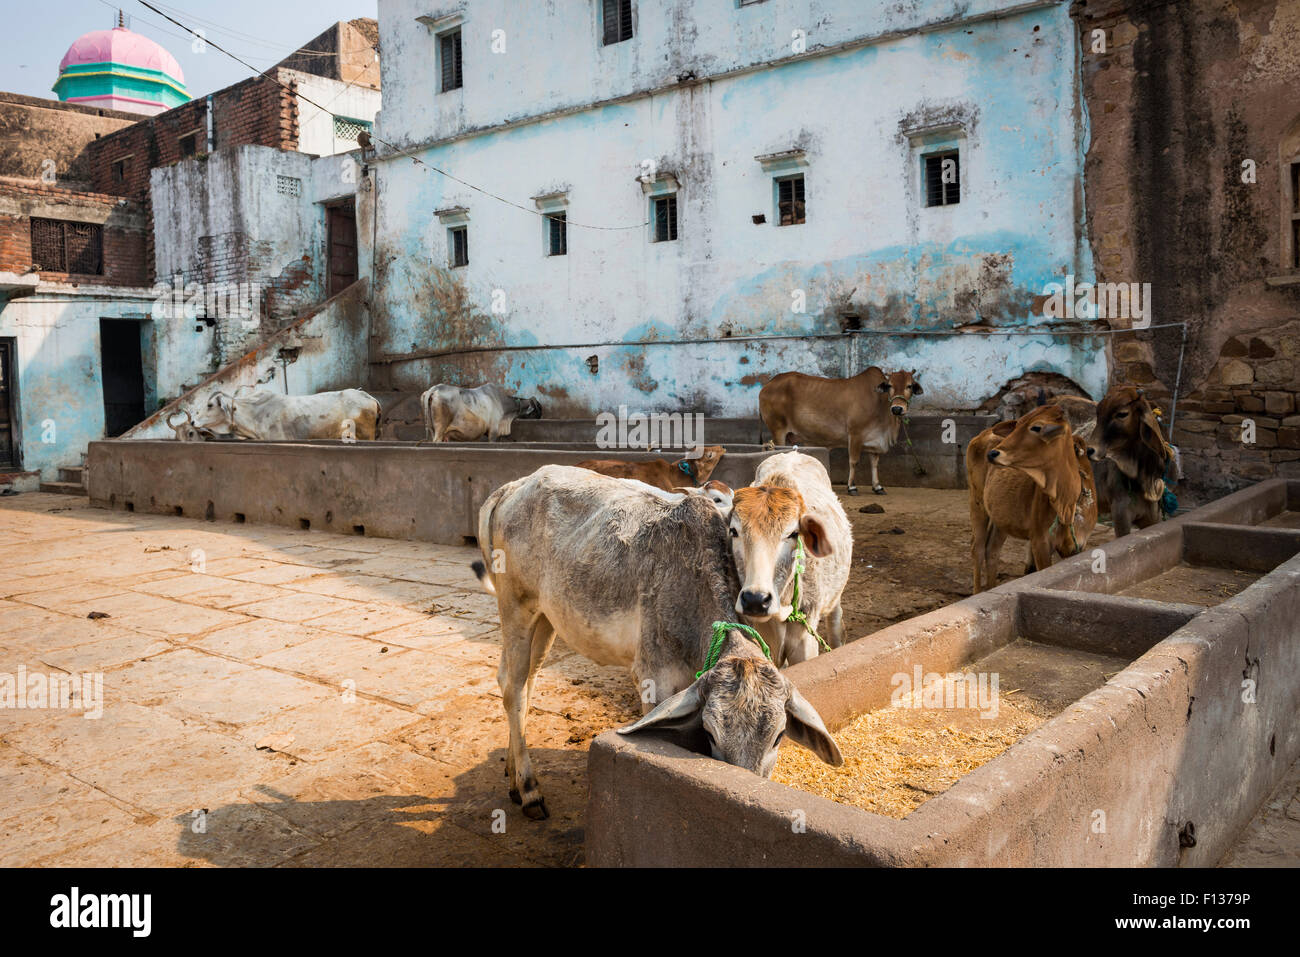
<point x="212" y="132"/>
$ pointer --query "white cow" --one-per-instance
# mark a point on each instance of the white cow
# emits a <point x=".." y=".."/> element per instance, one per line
<point x="453" y="414"/>
<point x="268" y="415"/>
<point x="791" y="501"/>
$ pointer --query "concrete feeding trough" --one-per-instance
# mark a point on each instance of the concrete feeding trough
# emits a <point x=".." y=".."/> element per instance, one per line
<point x="1168" y="658"/>
<point x="392" y="489"/>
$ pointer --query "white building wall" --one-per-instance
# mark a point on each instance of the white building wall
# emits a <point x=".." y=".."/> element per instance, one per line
<point x="911" y="274"/>
<point x="316" y="128"/>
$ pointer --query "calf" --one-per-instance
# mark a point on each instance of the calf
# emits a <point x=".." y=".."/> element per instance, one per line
<point x="863" y="412"/>
<point x="1029" y="479"/>
<point x="659" y="472"/>
<point x="453" y="414"/>
<point x="791" y="501"/>
<point x="1134" y="461"/>
<point x="629" y="578"/>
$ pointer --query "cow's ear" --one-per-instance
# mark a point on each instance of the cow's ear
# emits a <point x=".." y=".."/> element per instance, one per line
<point x="884" y="386"/>
<point x="223" y="401"/>
<point x="803" y="725"/>
<point x="916" y="386"/>
<point x="1004" y="429"/>
<point x="1050" y="429"/>
<point x="814" y="536"/>
<point x="681" y="712"/>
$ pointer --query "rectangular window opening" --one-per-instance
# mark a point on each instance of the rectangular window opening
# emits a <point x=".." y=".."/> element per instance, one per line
<point x="616" y="18"/>
<point x="557" y="234"/>
<point x="942" y="178"/>
<point x="60" y="246"/>
<point x="665" y="218"/>
<point x="458" y="246"/>
<point x="189" y="144"/>
<point x="450" y="59"/>
<point x="791" y="209"/>
<point x="119" y="172"/>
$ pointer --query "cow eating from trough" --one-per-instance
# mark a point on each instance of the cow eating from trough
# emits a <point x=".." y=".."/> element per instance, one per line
<point x="1031" y="480"/>
<point x="864" y="412"/>
<point x="1135" y="464"/>
<point x="791" y="541"/>
<point x="453" y="414"/>
<point x="267" y="415"/>
<point x="629" y="578"/>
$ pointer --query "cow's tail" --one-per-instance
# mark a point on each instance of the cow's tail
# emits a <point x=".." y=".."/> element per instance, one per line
<point x="482" y="567"/>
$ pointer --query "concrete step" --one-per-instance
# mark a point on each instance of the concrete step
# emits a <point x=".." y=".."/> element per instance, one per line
<point x="63" y="488"/>
<point x="73" y="473"/>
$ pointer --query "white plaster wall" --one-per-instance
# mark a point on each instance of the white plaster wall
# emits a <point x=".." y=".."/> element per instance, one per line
<point x="868" y="245"/>
<point x="316" y="125"/>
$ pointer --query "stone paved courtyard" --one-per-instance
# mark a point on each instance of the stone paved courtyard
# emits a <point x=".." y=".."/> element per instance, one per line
<point x="366" y="669"/>
<point x="283" y="698"/>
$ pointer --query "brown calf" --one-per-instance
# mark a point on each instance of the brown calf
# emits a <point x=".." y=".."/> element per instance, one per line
<point x="659" y="472"/>
<point x="1029" y="479"/>
<point x="863" y="412"/>
<point x="1133" y="460"/>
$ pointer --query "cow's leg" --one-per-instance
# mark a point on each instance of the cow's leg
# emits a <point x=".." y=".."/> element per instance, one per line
<point x="524" y="644"/>
<point x="1041" y="552"/>
<point x="800" y="645"/>
<point x="855" y="453"/>
<point x="980" y="529"/>
<point x="875" y="474"/>
<point x="993" y="554"/>
<point x="1122" y="514"/>
<point x="1030" y="566"/>
<point x="834" y="633"/>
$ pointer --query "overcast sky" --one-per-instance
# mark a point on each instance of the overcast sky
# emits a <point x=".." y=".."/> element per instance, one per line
<point x="261" y="32"/>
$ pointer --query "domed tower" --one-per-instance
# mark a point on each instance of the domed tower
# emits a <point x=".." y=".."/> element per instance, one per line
<point x="120" y="70"/>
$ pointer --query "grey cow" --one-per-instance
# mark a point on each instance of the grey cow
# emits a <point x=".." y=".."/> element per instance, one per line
<point x="630" y="578"/>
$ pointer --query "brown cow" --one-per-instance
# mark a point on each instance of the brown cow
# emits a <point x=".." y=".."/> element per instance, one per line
<point x="1134" y="462"/>
<point x="863" y="412"/>
<point x="1029" y="479"/>
<point x="660" y="472"/>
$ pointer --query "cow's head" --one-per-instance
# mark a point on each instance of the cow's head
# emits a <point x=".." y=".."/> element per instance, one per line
<point x="219" y="414"/>
<point x="1040" y="445"/>
<point x="186" y="430"/>
<point x="900" y="387"/>
<point x="702" y="467"/>
<point x="745" y="707"/>
<point x="719" y="493"/>
<point x="1128" y="433"/>
<point x="766" y="523"/>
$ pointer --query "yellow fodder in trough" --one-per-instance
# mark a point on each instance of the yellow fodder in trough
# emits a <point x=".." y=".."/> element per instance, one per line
<point x="897" y="758"/>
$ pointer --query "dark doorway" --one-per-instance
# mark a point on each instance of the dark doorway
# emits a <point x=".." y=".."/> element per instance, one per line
<point x="8" y="390"/>
<point x="119" y="345"/>
<point x="341" y="234"/>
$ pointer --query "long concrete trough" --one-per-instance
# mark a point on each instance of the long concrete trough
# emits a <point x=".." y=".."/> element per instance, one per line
<point x="1161" y="764"/>
<point x="390" y="489"/>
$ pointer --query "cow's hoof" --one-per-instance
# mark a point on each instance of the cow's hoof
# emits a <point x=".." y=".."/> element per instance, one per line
<point x="851" y="490"/>
<point x="536" y="810"/>
<point x="514" y="796"/>
<point x="879" y="490"/>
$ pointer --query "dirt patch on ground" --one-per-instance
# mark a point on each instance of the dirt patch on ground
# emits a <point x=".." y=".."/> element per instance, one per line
<point x="915" y="556"/>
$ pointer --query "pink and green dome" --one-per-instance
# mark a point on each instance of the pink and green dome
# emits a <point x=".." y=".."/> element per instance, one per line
<point x="120" y="70"/>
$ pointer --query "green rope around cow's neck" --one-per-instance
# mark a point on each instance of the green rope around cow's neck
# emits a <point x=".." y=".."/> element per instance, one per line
<point x="796" y="615"/>
<point x="720" y="629"/>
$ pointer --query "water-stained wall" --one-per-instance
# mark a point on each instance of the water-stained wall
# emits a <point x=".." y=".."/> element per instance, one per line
<point x="696" y="97"/>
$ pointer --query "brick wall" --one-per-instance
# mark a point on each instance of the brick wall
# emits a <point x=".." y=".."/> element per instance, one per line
<point x="258" y="111"/>
<point x="123" y="232"/>
<point x="1177" y="101"/>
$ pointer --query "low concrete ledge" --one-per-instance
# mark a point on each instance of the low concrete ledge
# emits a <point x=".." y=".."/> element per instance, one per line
<point x="391" y="489"/>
